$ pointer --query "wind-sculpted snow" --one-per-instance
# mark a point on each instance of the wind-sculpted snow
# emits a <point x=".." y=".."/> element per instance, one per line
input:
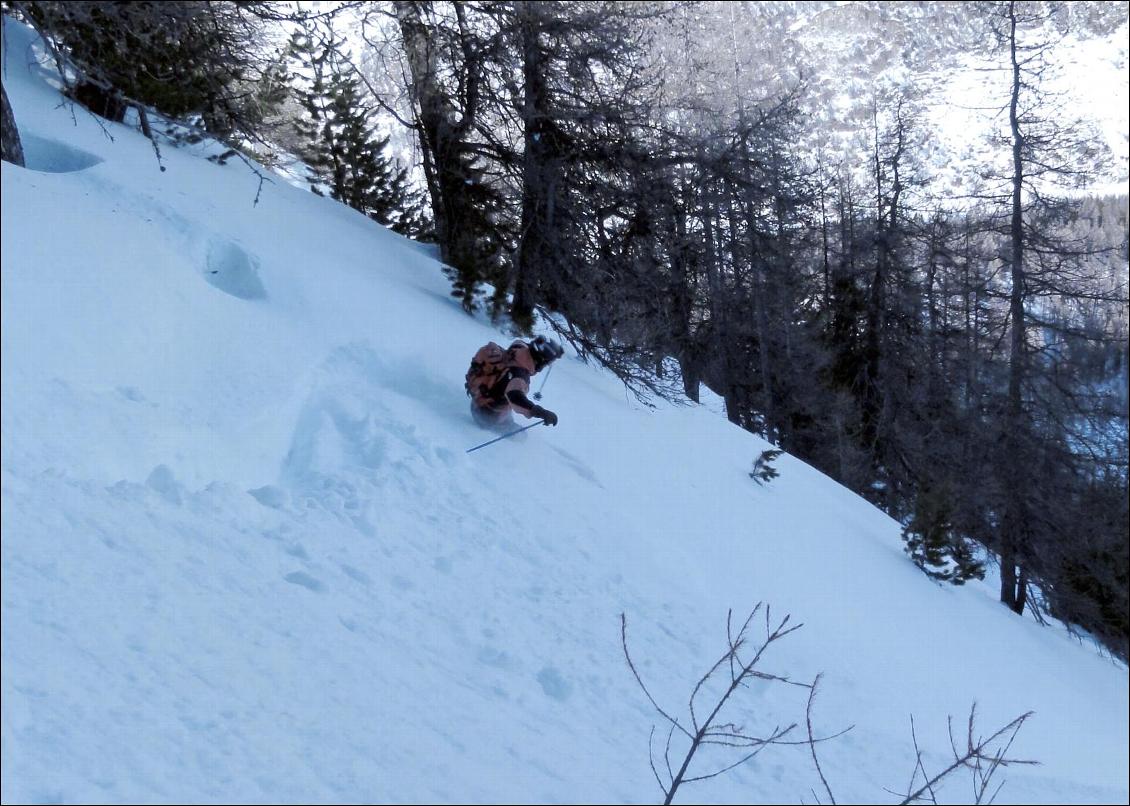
<point x="52" y="156"/>
<point x="247" y="559"/>
<point x="230" y="269"/>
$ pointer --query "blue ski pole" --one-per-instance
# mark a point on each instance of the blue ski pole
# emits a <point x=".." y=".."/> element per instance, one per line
<point x="504" y="436"/>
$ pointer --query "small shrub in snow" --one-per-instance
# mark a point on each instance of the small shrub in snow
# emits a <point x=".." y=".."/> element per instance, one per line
<point x="705" y="728"/>
<point x="763" y="471"/>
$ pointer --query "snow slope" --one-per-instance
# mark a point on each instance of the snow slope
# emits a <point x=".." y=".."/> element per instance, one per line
<point x="245" y="557"/>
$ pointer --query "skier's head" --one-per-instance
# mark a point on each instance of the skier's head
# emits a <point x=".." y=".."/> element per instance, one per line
<point x="545" y="351"/>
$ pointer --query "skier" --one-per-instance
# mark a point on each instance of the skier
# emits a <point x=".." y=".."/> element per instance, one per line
<point x="499" y="380"/>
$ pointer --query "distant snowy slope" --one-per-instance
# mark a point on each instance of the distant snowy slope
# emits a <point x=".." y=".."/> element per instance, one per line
<point x="246" y="558"/>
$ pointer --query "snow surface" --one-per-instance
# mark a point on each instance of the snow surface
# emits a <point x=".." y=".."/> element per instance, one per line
<point x="246" y="558"/>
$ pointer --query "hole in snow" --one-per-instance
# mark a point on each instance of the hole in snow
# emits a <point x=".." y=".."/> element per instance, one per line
<point x="53" y="157"/>
<point x="233" y="271"/>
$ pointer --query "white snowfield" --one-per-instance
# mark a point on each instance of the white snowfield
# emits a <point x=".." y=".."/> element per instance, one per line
<point x="247" y="559"/>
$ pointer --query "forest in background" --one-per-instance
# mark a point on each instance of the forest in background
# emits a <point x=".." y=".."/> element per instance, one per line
<point x="751" y="196"/>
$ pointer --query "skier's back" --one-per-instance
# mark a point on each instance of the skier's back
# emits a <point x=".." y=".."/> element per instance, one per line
<point x="498" y="381"/>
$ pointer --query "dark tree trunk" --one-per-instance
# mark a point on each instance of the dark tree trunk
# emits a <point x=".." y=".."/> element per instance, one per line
<point x="447" y="168"/>
<point x="1014" y="522"/>
<point x="538" y="176"/>
<point x="11" y="150"/>
<point x="432" y="114"/>
<point x="719" y="312"/>
<point x="102" y="102"/>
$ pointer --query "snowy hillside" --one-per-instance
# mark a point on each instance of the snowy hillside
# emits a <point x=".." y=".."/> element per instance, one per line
<point x="246" y="558"/>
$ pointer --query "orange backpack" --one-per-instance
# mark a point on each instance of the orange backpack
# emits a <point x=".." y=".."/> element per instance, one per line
<point x="488" y="367"/>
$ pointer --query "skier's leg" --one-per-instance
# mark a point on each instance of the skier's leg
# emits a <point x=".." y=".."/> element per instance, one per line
<point x="490" y="419"/>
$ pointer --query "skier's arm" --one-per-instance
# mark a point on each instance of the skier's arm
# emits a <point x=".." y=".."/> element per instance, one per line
<point x="516" y="396"/>
<point x="523" y="404"/>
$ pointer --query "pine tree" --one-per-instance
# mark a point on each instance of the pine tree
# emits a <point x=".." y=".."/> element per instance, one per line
<point x="201" y="61"/>
<point x="932" y="541"/>
<point x="467" y="201"/>
<point x="346" y="157"/>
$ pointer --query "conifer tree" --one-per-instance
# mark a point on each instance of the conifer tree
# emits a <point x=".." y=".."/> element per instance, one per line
<point x="934" y="544"/>
<point x="207" y="62"/>
<point x="467" y="202"/>
<point x="346" y="156"/>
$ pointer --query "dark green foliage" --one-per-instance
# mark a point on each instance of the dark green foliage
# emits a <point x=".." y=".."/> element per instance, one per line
<point x="475" y="227"/>
<point x="340" y="144"/>
<point x="184" y="58"/>
<point x="1089" y="585"/>
<point x="763" y="471"/>
<point x="148" y="55"/>
<point x="448" y="64"/>
<point x="933" y="543"/>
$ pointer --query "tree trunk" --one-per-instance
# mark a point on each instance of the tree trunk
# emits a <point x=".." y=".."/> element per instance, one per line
<point x="719" y="311"/>
<point x="1013" y="524"/>
<point x="101" y="101"/>
<point x="825" y="253"/>
<point x="440" y="130"/>
<point x="538" y="179"/>
<point x="422" y="90"/>
<point x="11" y="150"/>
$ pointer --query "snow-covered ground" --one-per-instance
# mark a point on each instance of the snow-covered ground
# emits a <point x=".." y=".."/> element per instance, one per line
<point x="246" y="558"/>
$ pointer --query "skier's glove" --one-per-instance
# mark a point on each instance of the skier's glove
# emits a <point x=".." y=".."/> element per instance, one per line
<point x="545" y="415"/>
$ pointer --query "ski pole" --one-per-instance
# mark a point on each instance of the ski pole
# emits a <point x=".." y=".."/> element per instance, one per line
<point x="504" y="436"/>
<point x="537" y="394"/>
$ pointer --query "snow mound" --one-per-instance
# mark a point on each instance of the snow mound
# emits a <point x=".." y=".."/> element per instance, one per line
<point x="46" y="155"/>
<point x="232" y="270"/>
